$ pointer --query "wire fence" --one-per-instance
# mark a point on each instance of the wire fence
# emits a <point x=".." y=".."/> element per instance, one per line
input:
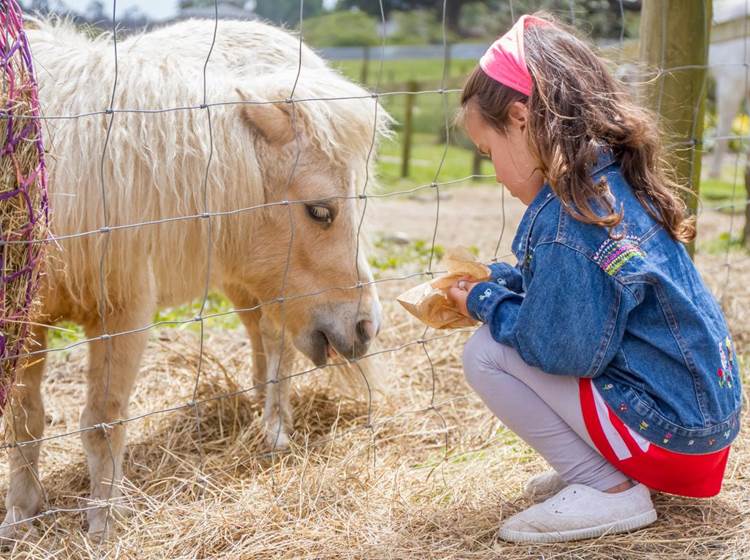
<point x="731" y="205"/>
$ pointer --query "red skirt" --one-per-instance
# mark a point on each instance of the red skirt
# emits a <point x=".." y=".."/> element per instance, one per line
<point x="697" y="476"/>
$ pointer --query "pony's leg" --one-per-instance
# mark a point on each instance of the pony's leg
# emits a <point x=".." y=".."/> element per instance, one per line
<point x="277" y="412"/>
<point x="251" y="319"/>
<point x="24" y="421"/>
<point x="113" y="366"/>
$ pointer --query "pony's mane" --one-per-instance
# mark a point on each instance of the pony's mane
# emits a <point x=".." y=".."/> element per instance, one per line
<point x="341" y="117"/>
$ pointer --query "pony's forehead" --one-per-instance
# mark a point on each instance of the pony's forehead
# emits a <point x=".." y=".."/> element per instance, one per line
<point x="326" y="181"/>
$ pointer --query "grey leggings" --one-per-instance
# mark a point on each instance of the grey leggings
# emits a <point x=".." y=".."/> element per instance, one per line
<point x="542" y="409"/>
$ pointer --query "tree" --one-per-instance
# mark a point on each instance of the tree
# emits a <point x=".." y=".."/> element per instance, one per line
<point x="95" y="11"/>
<point x="452" y="8"/>
<point x="286" y="12"/>
<point x="602" y="16"/>
<point x="185" y="4"/>
<point x="39" y="5"/>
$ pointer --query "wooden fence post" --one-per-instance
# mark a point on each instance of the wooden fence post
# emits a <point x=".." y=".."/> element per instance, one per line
<point x="364" y="70"/>
<point x="675" y="35"/>
<point x="448" y="60"/>
<point x="411" y="87"/>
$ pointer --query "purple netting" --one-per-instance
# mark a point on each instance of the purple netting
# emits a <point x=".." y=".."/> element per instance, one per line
<point x="24" y="210"/>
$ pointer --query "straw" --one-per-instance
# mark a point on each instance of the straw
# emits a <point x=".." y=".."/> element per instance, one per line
<point x="23" y="191"/>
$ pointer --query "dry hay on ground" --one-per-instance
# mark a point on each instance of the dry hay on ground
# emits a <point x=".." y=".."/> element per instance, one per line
<point x="393" y="490"/>
<point x="346" y="490"/>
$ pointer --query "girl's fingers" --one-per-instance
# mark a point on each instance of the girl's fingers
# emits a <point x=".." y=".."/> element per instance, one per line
<point x="456" y="295"/>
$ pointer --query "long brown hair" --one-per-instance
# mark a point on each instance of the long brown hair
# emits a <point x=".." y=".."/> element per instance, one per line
<point x="575" y="107"/>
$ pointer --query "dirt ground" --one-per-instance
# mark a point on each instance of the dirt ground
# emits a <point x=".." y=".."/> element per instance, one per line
<point x="426" y="472"/>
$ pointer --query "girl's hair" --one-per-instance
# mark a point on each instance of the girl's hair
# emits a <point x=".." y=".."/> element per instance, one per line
<point x="575" y="108"/>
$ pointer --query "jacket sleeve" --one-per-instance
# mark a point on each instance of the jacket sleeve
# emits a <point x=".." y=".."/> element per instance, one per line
<point x="570" y="320"/>
<point x="503" y="273"/>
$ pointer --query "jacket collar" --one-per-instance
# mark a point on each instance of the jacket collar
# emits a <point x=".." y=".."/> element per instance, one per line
<point x="605" y="157"/>
<point x="520" y="241"/>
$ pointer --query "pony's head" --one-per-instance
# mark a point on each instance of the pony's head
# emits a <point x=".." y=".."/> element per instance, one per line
<point x="315" y="162"/>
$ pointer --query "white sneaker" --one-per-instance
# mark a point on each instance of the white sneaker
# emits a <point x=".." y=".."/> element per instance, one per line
<point x="542" y="486"/>
<point x="581" y="512"/>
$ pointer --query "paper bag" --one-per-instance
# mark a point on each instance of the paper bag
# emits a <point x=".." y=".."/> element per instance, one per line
<point x="429" y="303"/>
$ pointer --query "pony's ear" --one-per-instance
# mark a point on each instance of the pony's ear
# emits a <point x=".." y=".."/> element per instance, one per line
<point x="269" y="119"/>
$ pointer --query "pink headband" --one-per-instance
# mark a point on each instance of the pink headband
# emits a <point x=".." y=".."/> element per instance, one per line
<point x="505" y="62"/>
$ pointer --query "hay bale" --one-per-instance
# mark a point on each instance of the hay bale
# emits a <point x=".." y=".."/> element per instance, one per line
<point x="23" y="192"/>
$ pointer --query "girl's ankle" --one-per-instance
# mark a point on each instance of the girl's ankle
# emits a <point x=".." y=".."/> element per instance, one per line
<point x="628" y="484"/>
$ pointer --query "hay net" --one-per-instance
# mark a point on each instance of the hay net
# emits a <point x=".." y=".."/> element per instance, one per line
<point x="24" y="210"/>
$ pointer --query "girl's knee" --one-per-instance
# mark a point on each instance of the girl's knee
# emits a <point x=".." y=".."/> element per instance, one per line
<point x="479" y="359"/>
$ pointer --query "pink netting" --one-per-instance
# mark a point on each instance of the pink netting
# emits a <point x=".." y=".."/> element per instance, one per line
<point x="23" y="191"/>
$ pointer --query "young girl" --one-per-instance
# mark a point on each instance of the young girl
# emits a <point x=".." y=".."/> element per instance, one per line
<point x="602" y="348"/>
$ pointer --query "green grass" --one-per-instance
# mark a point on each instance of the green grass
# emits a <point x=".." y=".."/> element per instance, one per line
<point x="722" y="244"/>
<point x="715" y="192"/>
<point x="401" y="71"/>
<point x="391" y="255"/>
<point x="67" y="333"/>
<point x="426" y="155"/>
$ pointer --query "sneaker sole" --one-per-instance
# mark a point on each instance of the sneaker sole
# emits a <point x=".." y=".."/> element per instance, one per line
<point x="622" y="526"/>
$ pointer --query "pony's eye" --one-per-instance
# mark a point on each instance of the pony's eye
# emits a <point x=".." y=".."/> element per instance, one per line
<point x="320" y="213"/>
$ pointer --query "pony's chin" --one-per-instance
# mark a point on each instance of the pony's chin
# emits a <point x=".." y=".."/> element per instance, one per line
<point x="317" y="348"/>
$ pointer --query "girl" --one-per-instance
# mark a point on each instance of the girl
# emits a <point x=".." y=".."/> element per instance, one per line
<point x="601" y="348"/>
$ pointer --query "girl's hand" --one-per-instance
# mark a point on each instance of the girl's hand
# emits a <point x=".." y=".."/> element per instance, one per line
<point x="459" y="292"/>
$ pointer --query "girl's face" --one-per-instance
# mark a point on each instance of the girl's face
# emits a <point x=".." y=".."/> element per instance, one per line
<point x="515" y="166"/>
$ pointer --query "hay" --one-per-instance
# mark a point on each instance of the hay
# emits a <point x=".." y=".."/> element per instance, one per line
<point x="345" y="490"/>
<point x="23" y="197"/>
<point x="394" y="490"/>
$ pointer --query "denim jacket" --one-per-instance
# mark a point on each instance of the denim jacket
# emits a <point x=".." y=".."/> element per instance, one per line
<point x="631" y="312"/>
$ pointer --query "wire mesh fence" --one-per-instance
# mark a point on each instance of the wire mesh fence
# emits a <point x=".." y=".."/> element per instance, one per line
<point x="721" y="213"/>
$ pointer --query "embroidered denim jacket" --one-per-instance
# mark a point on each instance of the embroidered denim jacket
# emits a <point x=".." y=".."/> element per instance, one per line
<point x="632" y="314"/>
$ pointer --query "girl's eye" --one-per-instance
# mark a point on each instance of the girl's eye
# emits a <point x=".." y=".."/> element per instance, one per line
<point x="322" y="214"/>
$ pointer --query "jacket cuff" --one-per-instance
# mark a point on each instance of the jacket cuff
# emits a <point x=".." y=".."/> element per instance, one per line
<point x="481" y="298"/>
<point x="506" y="275"/>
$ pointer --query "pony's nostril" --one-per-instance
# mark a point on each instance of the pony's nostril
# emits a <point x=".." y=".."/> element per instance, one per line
<point x="366" y="331"/>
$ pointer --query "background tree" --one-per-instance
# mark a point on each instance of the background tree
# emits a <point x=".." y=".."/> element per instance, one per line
<point x="95" y="11"/>
<point x="286" y="12"/>
<point x="184" y="4"/>
<point x="467" y="18"/>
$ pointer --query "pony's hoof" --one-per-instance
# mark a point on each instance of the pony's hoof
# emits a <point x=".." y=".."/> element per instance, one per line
<point x="14" y="528"/>
<point x="277" y="439"/>
<point x="7" y="533"/>
<point x="100" y="524"/>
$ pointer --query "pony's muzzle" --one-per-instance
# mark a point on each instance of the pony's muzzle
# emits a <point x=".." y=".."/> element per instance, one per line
<point x="366" y="331"/>
<point x="343" y="339"/>
<point x="350" y="345"/>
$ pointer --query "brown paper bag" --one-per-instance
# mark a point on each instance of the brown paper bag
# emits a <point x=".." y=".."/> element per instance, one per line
<point x="429" y="302"/>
